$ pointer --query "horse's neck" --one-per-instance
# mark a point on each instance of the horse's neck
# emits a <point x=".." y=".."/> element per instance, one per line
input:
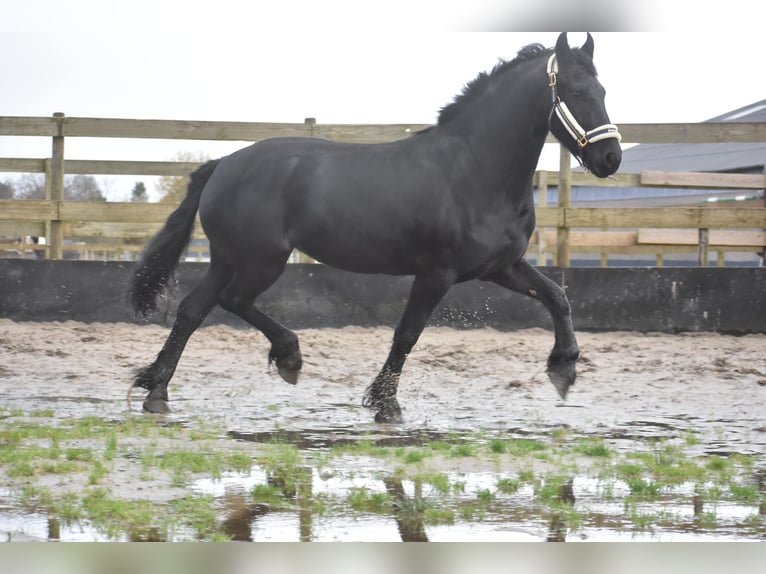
<point x="510" y="123"/>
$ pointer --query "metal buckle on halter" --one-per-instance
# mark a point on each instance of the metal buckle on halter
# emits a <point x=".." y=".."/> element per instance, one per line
<point x="582" y="141"/>
<point x="551" y="79"/>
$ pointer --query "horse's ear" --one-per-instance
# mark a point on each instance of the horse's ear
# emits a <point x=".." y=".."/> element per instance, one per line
<point x="563" y="51"/>
<point x="587" y="47"/>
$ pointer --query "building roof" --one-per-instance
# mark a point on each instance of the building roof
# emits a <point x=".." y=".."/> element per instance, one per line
<point x="702" y="156"/>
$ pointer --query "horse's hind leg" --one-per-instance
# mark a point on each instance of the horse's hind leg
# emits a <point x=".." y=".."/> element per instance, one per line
<point x="426" y="292"/>
<point x="191" y="312"/>
<point x="527" y="280"/>
<point x="239" y="298"/>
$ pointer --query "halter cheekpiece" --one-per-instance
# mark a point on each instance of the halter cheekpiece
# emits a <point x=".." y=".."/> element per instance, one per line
<point x="577" y="132"/>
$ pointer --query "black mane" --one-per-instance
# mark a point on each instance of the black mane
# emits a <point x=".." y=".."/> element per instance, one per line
<point x="478" y="85"/>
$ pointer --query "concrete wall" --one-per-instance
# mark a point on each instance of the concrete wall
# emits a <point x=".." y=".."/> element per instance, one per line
<point x="729" y="300"/>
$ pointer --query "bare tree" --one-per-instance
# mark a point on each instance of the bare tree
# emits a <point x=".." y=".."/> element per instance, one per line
<point x="82" y="188"/>
<point x="30" y="186"/>
<point x="6" y="190"/>
<point x="173" y="188"/>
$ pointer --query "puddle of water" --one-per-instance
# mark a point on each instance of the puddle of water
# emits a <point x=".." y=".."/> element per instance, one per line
<point x="513" y="517"/>
<point x="462" y="505"/>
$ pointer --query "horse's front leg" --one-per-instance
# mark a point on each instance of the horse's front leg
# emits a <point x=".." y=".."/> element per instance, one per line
<point x="427" y="290"/>
<point x="527" y="280"/>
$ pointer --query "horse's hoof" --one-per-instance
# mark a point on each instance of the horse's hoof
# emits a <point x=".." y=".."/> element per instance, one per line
<point x="389" y="413"/>
<point x="562" y="376"/>
<point x="289" y="375"/>
<point x="156" y="406"/>
<point x="388" y="418"/>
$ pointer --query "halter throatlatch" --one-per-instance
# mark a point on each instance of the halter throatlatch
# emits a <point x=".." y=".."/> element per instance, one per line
<point x="577" y="132"/>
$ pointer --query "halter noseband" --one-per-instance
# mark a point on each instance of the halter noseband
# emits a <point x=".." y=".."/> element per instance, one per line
<point x="577" y="132"/>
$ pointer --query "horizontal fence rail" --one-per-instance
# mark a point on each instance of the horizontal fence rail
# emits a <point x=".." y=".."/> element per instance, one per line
<point x="111" y="229"/>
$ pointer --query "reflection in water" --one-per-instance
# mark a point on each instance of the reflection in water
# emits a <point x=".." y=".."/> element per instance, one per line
<point x="54" y="529"/>
<point x="152" y="534"/>
<point x="239" y="515"/>
<point x="311" y="503"/>
<point x="408" y="512"/>
<point x="557" y="531"/>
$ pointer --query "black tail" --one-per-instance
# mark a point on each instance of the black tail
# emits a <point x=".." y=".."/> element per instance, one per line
<point x="160" y="258"/>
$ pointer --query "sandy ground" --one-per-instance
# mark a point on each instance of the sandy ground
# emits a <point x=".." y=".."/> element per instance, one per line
<point x="629" y="384"/>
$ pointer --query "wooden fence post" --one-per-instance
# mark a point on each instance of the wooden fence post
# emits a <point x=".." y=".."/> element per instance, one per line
<point x="311" y="124"/>
<point x="565" y="202"/>
<point x="56" y="187"/>
<point x="703" y="250"/>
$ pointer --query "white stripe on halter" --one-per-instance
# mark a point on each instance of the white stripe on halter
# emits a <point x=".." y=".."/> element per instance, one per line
<point x="568" y="120"/>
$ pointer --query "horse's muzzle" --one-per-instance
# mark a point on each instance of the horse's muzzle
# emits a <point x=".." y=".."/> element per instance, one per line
<point x="602" y="158"/>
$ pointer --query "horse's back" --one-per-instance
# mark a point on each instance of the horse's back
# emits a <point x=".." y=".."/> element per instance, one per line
<point x="349" y="205"/>
<point x="396" y="208"/>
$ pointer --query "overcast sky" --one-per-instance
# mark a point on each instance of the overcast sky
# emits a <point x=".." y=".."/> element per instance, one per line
<point x="385" y="65"/>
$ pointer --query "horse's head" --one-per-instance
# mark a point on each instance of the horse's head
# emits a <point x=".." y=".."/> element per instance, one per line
<point x="578" y="116"/>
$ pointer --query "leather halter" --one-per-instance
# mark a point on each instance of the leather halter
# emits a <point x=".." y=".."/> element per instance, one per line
<point x="582" y="137"/>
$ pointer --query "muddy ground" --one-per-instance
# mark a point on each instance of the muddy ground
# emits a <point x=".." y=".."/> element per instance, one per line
<point x="628" y="383"/>
<point x="631" y="388"/>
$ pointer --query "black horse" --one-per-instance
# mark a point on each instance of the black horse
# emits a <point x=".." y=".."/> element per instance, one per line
<point x="451" y="203"/>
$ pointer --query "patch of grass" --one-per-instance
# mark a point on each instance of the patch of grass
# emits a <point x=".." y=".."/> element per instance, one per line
<point x="592" y="447"/>
<point x="747" y="493"/>
<point x="707" y="520"/>
<point x="362" y="499"/>
<point x="199" y="512"/>
<point x="439" y="480"/>
<point x="79" y="454"/>
<point x="627" y="470"/>
<point x="440" y="446"/>
<point x="435" y="516"/>
<point x="526" y="475"/>
<point x="642" y="521"/>
<point x="516" y="446"/>
<point x="690" y="437"/>
<point x="239" y="462"/>
<point x="717" y="463"/>
<point x="116" y="516"/>
<point x="365" y="446"/>
<point x="560" y="435"/>
<point x="181" y="463"/>
<point x="643" y="489"/>
<point x="462" y="450"/>
<point x="412" y="455"/>
<point x="485" y="495"/>
<point x="458" y="487"/>
<point x="58" y="467"/>
<point x="508" y="485"/>
<point x="267" y="494"/>
<point x="97" y="473"/>
<point x="549" y="488"/>
<point x="713" y="494"/>
<point x="497" y="445"/>
<point x="21" y="469"/>
<point x="285" y="468"/>
<point x="110" y="450"/>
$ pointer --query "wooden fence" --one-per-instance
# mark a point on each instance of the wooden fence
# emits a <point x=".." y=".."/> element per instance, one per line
<point x="103" y="229"/>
